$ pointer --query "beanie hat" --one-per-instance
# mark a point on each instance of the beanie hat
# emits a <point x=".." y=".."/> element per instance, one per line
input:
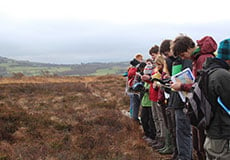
<point x="148" y="69"/>
<point x="207" y="45"/>
<point x="134" y="62"/>
<point x="224" y="50"/>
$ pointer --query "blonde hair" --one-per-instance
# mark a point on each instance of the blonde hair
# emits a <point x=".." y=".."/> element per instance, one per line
<point x="161" y="60"/>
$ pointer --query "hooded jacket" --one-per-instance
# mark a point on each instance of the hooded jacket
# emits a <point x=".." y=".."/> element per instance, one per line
<point x="207" y="47"/>
<point x="218" y="86"/>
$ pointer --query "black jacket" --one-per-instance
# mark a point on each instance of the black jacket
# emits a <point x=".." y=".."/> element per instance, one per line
<point x="175" y="100"/>
<point x="169" y="62"/>
<point x="218" y="85"/>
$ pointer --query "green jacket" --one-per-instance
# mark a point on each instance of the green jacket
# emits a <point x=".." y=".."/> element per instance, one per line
<point x="146" y="102"/>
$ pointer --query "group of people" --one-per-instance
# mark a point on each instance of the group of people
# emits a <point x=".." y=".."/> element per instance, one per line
<point x="165" y="122"/>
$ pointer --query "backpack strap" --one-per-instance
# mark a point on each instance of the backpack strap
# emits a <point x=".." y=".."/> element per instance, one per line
<point x="203" y="79"/>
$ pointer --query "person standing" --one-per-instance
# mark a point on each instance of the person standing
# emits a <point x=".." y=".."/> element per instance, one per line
<point x="158" y="107"/>
<point x="217" y="141"/>
<point x="168" y="112"/>
<point x="146" y="112"/>
<point x="206" y="48"/>
<point x="134" y="98"/>
<point x="182" y="46"/>
<point x="138" y="94"/>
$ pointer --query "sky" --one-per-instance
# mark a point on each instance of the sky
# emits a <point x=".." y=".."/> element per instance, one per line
<point x="82" y="31"/>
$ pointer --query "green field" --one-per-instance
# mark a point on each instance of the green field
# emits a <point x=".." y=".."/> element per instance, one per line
<point x="9" y="67"/>
<point x="106" y="71"/>
<point x="33" y="71"/>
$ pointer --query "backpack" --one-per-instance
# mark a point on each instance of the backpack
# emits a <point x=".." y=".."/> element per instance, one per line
<point x="131" y="75"/>
<point x="199" y="109"/>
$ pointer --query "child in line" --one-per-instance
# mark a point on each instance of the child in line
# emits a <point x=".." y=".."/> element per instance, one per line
<point x="146" y="112"/>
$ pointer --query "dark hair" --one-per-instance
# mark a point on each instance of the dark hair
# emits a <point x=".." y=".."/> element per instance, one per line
<point x="134" y="62"/>
<point x="165" y="46"/>
<point x="181" y="44"/>
<point x="154" y="49"/>
<point x="149" y="60"/>
<point x="141" y="66"/>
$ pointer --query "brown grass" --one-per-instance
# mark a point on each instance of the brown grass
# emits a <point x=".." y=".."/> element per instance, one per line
<point x="68" y="118"/>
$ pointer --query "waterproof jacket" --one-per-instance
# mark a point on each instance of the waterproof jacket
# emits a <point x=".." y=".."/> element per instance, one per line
<point x="207" y="46"/>
<point x="153" y="92"/>
<point x="146" y="102"/>
<point x="131" y="76"/>
<point x="218" y="86"/>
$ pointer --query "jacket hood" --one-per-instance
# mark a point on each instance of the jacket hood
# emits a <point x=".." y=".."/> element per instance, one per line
<point x="207" y="45"/>
<point x="216" y="63"/>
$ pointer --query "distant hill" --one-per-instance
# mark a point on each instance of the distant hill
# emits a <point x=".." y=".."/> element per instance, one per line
<point x="10" y="67"/>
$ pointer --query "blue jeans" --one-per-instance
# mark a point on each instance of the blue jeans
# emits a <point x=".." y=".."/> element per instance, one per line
<point x="131" y="104"/>
<point x="183" y="135"/>
<point x="136" y="106"/>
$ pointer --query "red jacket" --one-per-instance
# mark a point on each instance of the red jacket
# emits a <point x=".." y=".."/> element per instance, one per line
<point x="153" y="92"/>
<point x="196" y="66"/>
<point x="198" y="63"/>
<point x="131" y="75"/>
<point x="207" y="46"/>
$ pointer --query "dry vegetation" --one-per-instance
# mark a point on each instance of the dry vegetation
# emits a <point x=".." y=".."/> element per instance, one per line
<point x="68" y="118"/>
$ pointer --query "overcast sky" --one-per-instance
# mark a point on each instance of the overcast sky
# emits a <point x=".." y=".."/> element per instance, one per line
<point x="75" y="31"/>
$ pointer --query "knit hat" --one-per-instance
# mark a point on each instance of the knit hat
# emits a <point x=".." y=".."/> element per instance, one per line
<point x="148" y="69"/>
<point x="224" y="50"/>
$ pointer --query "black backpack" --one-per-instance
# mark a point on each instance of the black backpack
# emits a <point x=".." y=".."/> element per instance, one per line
<point x="198" y="108"/>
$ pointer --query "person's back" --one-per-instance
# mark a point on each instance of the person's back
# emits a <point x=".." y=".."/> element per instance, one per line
<point x="217" y="142"/>
<point x="131" y="75"/>
<point x="218" y="87"/>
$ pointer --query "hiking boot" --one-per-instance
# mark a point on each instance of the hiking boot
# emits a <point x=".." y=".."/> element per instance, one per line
<point x="158" y="145"/>
<point x="153" y="142"/>
<point x="144" y="137"/>
<point x="167" y="150"/>
<point x="149" y="140"/>
<point x="161" y="149"/>
<point x="168" y="144"/>
<point x="174" y="155"/>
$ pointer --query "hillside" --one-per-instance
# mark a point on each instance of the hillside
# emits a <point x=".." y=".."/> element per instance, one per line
<point x="10" y="67"/>
<point x="68" y="118"/>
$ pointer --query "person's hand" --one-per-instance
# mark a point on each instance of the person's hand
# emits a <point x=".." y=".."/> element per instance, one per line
<point x="176" y="85"/>
<point x="145" y="77"/>
<point x="166" y="76"/>
<point x="154" y="85"/>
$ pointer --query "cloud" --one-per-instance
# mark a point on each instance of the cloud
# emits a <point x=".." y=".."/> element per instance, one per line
<point x="79" y="41"/>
